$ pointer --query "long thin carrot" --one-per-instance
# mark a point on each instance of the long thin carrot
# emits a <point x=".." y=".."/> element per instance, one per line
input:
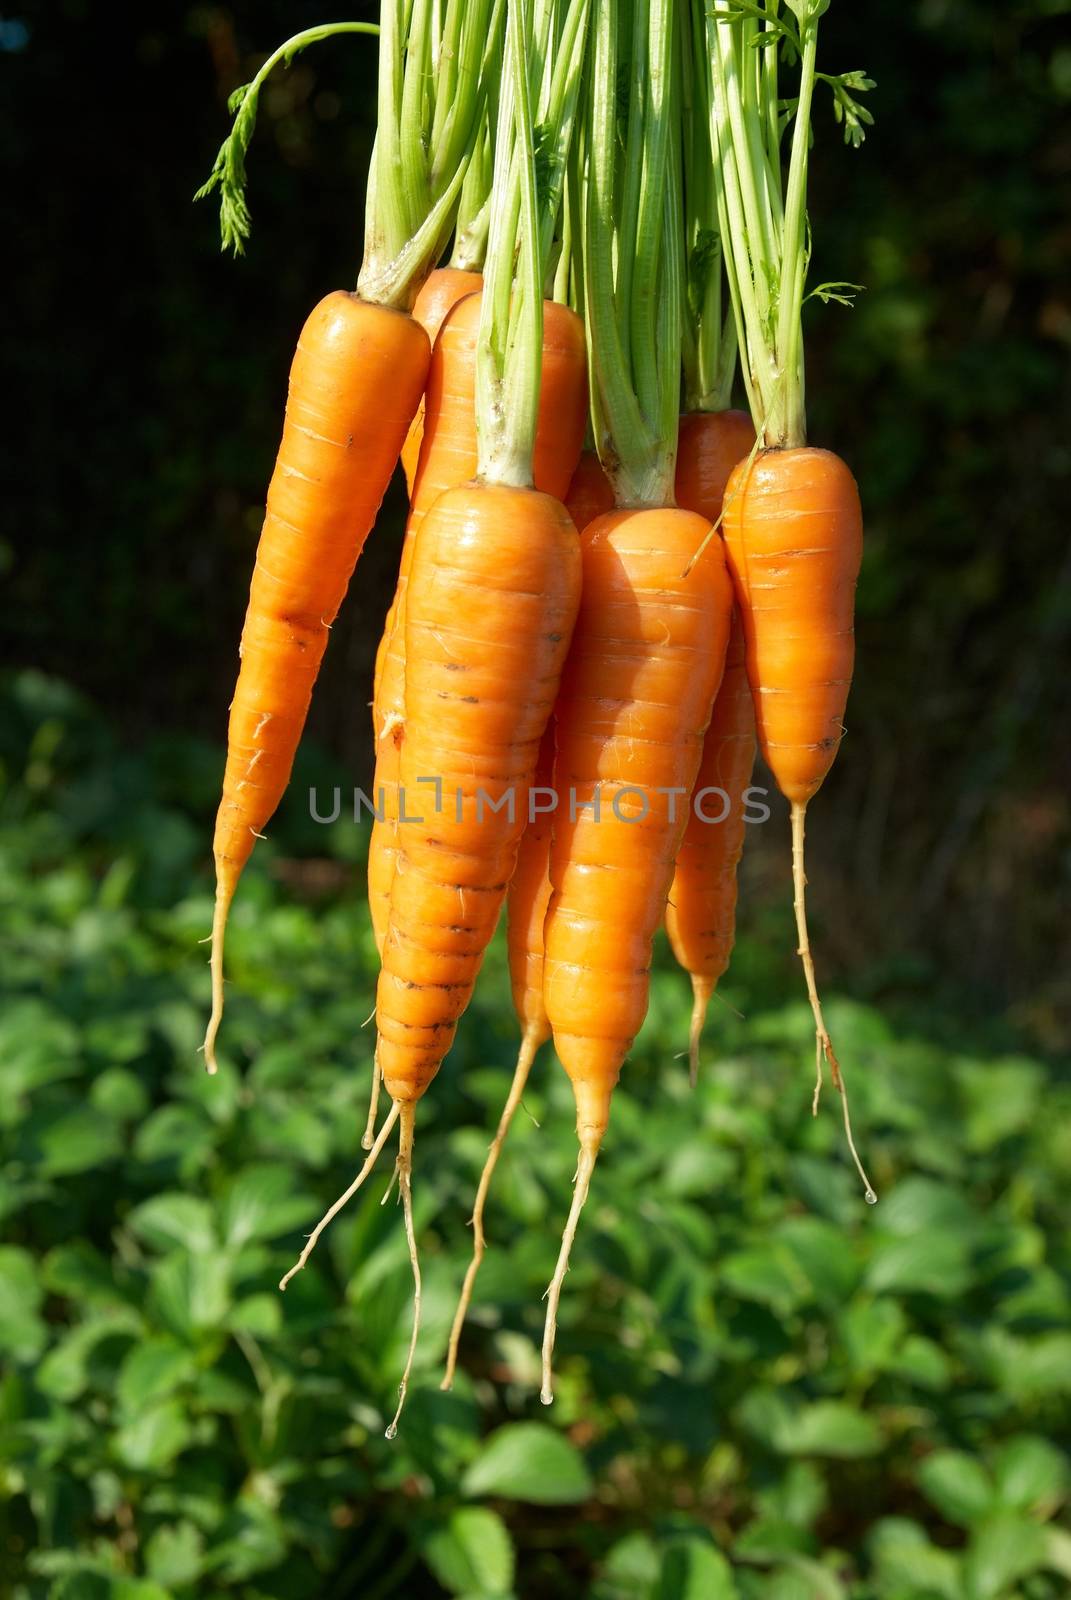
<point x="358" y="373"/>
<point x="701" y="912"/>
<point x="636" y="696"/>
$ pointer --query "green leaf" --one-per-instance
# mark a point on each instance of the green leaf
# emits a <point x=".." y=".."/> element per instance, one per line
<point x="191" y="1293"/>
<point x="260" y="1204"/>
<point x="910" y="1565"/>
<point x="65" y="1372"/>
<point x="831" y="1428"/>
<point x="958" y="1486"/>
<point x="630" y="1569"/>
<point x="872" y="1331"/>
<point x="79" y="1141"/>
<point x="152" y="1371"/>
<point x="1004" y="1549"/>
<point x="529" y="1461"/>
<point x="22" y="1333"/>
<point x="692" y="1569"/>
<point x="823" y="1256"/>
<point x="766" y="1275"/>
<point x="929" y="1263"/>
<point x="153" y="1439"/>
<point x="174" y="1555"/>
<point x="170" y="1219"/>
<point x="922" y="1205"/>
<point x="1001" y="1099"/>
<point x="472" y="1553"/>
<point x="251" y="1539"/>
<point x="119" y="1094"/>
<point x="1031" y="1475"/>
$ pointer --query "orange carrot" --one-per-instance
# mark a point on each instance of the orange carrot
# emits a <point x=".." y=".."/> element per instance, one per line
<point x="357" y="375"/>
<point x="701" y="913"/>
<point x="590" y="493"/>
<point x="709" y="445"/>
<point x="443" y="289"/>
<point x="526" y="907"/>
<point x="794" y="539"/>
<point x="497" y="563"/>
<point x="447" y="459"/>
<point x="636" y="696"/>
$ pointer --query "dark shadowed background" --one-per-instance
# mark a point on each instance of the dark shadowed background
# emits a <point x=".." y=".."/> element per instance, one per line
<point x="146" y="377"/>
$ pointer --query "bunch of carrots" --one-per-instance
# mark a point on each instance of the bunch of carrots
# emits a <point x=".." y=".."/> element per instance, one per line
<point x="614" y="589"/>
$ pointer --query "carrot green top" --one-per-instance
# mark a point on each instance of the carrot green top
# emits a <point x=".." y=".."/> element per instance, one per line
<point x="228" y="171"/>
<point x="434" y="81"/>
<point x="632" y="257"/>
<point x="543" y="70"/>
<point x="763" y="217"/>
<point x="709" y="333"/>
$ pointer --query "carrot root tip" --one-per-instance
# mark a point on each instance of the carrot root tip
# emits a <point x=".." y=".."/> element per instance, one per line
<point x="585" y="1167"/>
<point x="404" y="1170"/>
<point x="526" y="1055"/>
<point x="342" y="1200"/>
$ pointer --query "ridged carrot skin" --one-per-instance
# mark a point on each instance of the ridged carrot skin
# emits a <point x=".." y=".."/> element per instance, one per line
<point x="590" y="494"/>
<point x="701" y="913"/>
<point x="709" y="445"/>
<point x="357" y="375"/>
<point x="493" y="590"/>
<point x="794" y="541"/>
<point x="636" y="696"/>
<point x="440" y="292"/>
<point x="448" y="459"/>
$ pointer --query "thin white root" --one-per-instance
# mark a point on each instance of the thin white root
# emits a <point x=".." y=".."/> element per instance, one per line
<point x="343" y="1199"/>
<point x="405" y="1185"/>
<point x="219" y="928"/>
<point x="585" y="1167"/>
<point x="701" y="992"/>
<point x="368" y="1138"/>
<point x="823" y="1043"/>
<point x="529" y="1046"/>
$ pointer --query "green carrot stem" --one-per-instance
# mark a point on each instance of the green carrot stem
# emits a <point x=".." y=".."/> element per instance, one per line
<point x="228" y="172"/>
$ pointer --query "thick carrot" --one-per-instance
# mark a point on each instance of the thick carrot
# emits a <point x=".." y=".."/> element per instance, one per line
<point x="590" y="493"/>
<point x="526" y="908"/>
<point x="490" y="608"/>
<point x="701" y="913"/>
<point x="357" y="375"/>
<point x="448" y="459"/>
<point x="794" y="540"/>
<point x="443" y="289"/>
<point x="636" y="697"/>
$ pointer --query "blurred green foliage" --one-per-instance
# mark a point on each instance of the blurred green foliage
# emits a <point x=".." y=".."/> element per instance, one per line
<point x="765" y="1388"/>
